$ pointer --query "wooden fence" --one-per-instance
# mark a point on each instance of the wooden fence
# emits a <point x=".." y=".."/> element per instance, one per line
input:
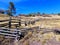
<point x="14" y="22"/>
<point x="9" y="22"/>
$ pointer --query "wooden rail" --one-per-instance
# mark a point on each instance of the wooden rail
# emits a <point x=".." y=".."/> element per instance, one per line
<point x="15" y="22"/>
<point x="9" y="33"/>
<point x="9" y="23"/>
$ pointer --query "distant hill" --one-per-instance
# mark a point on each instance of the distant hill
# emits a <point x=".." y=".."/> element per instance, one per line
<point x="3" y="15"/>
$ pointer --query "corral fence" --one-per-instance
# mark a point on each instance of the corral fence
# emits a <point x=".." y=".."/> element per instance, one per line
<point x="12" y="21"/>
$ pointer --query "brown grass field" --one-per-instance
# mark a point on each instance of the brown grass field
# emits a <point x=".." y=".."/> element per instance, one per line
<point x="36" y="38"/>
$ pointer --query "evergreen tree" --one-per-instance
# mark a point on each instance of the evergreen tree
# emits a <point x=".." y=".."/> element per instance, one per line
<point x="11" y="10"/>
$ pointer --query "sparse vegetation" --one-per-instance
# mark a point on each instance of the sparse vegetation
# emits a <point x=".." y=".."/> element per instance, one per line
<point x="36" y="29"/>
<point x="59" y="14"/>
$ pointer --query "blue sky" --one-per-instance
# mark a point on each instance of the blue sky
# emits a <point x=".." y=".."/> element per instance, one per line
<point x="32" y="6"/>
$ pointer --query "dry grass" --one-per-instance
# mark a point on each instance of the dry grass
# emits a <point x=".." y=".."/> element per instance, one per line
<point x="46" y="23"/>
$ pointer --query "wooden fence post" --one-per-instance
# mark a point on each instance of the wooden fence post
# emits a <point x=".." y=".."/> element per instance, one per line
<point x="25" y="23"/>
<point x="19" y="22"/>
<point x="10" y="22"/>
